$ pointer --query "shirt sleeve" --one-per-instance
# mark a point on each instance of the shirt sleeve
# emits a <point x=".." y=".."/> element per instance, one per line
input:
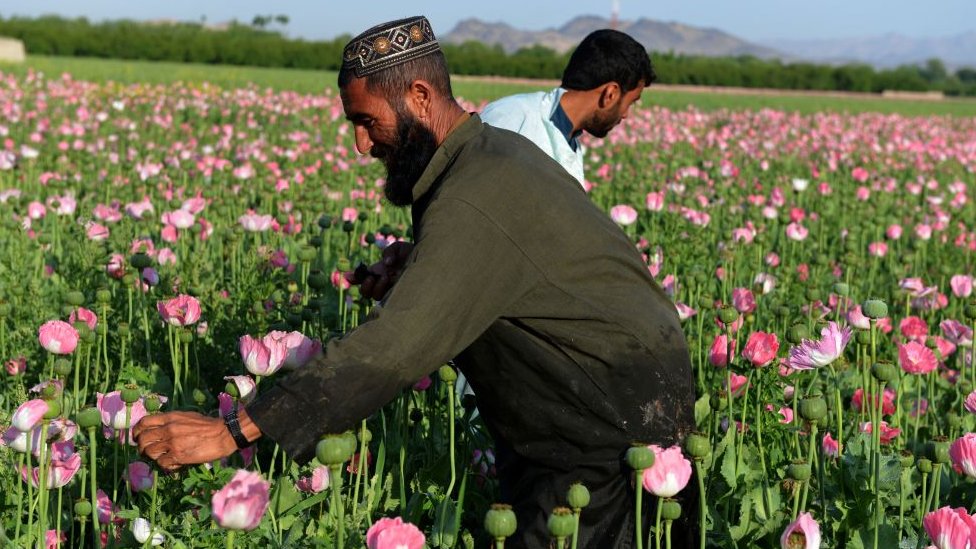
<point x="463" y="273"/>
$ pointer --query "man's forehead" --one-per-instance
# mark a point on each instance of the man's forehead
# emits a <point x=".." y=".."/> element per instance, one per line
<point x="358" y="100"/>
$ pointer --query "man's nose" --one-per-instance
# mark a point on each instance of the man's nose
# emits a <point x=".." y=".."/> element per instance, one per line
<point x="363" y="142"/>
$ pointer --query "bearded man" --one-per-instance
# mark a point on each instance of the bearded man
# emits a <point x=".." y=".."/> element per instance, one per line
<point x="537" y="296"/>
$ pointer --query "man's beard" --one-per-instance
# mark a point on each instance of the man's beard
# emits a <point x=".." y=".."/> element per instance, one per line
<point x="406" y="158"/>
<point x="599" y="126"/>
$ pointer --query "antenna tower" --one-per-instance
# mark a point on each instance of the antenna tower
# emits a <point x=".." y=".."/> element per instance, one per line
<point x="614" y="14"/>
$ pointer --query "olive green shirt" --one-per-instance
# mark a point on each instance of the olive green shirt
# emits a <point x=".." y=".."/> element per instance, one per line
<point x="542" y="301"/>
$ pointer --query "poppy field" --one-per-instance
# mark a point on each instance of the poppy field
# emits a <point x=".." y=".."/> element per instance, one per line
<point x="178" y="246"/>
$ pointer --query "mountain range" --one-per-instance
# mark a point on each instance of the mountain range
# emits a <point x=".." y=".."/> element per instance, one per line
<point x="881" y="51"/>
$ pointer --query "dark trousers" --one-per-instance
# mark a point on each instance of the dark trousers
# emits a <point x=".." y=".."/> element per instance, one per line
<point x="606" y="523"/>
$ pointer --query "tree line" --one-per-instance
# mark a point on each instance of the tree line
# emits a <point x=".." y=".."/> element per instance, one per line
<point x="258" y="45"/>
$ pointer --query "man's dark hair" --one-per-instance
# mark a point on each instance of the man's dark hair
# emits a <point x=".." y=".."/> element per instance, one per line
<point x="394" y="82"/>
<point x="608" y="56"/>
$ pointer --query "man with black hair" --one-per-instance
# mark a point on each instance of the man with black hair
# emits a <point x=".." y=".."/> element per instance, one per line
<point x="605" y="76"/>
<point x="549" y="310"/>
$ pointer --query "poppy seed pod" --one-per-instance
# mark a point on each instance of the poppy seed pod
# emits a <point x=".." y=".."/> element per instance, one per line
<point x="728" y="315"/>
<point x="325" y="222"/>
<point x="671" y="510"/>
<point x="153" y="403"/>
<point x="797" y="333"/>
<point x="578" y="496"/>
<point x="62" y="367"/>
<point x="140" y="261"/>
<point x="53" y="409"/>
<point x="863" y="337"/>
<point x="640" y="458"/>
<point x="698" y="445"/>
<point x="924" y="465"/>
<point x="939" y="450"/>
<point x="884" y="372"/>
<point x="561" y="523"/>
<point x="75" y="298"/>
<point x="130" y="394"/>
<point x="317" y="280"/>
<point x="874" y="309"/>
<point x="5" y="309"/>
<point x="83" y="507"/>
<point x="351" y="442"/>
<point x="906" y="459"/>
<point x="306" y="254"/>
<point x="813" y="408"/>
<point x="970" y="311"/>
<point x="447" y="374"/>
<point x="842" y="289"/>
<point x="88" y="418"/>
<point x="800" y="470"/>
<point x="500" y="521"/>
<point x="331" y="451"/>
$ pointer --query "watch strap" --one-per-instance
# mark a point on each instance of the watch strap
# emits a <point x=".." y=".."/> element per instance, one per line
<point x="233" y="424"/>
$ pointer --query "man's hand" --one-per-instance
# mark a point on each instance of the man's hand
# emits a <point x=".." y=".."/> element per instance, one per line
<point x="382" y="275"/>
<point x="176" y="439"/>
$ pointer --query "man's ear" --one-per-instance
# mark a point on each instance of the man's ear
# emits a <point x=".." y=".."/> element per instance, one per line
<point x="420" y="98"/>
<point x="609" y="95"/>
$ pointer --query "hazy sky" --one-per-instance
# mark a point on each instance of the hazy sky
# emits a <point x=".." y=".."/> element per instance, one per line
<point x="749" y="19"/>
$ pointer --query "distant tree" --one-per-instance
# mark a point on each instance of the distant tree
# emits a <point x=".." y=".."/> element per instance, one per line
<point x="282" y="20"/>
<point x="966" y="75"/>
<point x="934" y="71"/>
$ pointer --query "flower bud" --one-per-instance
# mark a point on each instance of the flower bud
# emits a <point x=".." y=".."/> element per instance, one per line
<point x="800" y="470"/>
<point x="813" y="408"/>
<point x="140" y="261"/>
<point x="884" y="372"/>
<point x="130" y="393"/>
<point x="83" y="507"/>
<point x="728" y="315"/>
<point x="88" y="418"/>
<point x="103" y="296"/>
<point x="863" y="337"/>
<point x="306" y="254"/>
<point x="447" y="374"/>
<point x="812" y="294"/>
<point x="874" y="309"/>
<point x="842" y="289"/>
<point x="186" y="336"/>
<point x="561" y="523"/>
<point x="123" y="329"/>
<point x="75" y="298"/>
<point x="500" y="521"/>
<point x="640" y="458"/>
<point x="697" y="445"/>
<point x="671" y="510"/>
<point x="578" y="496"/>
<point x="705" y="302"/>
<point x="325" y="222"/>
<point x="199" y="397"/>
<point x="924" y="465"/>
<point x="317" y="280"/>
<point x="331" y="451"/>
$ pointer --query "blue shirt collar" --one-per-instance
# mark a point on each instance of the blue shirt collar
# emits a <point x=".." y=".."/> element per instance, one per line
<point x="565" y="125"/>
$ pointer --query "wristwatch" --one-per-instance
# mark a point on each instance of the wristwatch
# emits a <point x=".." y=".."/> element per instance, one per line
<point x="234" y="426"/>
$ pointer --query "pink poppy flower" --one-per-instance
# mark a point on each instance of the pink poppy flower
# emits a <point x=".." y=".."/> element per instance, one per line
<point x="28" y="414"/>
<point x="878" y="249"/>
<point x="63" y="466"/>
<point x="802" y="533"/>
<point x="254" y="222"/>
<point x="139" y="475"/>
<point x="761" y="348"/>
<point x="856" y="318"/>
<point x="718" y="356"/>
<point x="301" y="349"/>
<point x="797" y="232"/>
<point x="181" y="219"/>
<point x="82" y="314"/>
<point x="425" y="383"/>
<point x="263" y="357"/>
<point x="916" y="358"/>
<point x="684" y="312"/>
<point x="246" y="388"/>
<point x="913" y="328"/>
<point x="887" y="433"/>
<point x="831" y="447"/>
<point x="182" y="310"/>
<point x="58" y="337"/>
<point x="16" y="366"/>
<point x="317" y="482"/>
<point x="738" y="384"/>
<point x="669" y="474"/>
<point x="957" y="332"/>
<point x="623" y="214"/>
<point x="785" y="413"/>
<point x="893" y="232"/>
<point x="950" y="528"/>
<point x="962" y="285"/>
<point x="812" y="354"/>
<point x="887" y="401"/>
<point x="241" y="503"/>
<point x="655" y="201"/>
<point x="963" y="454"/>
<point x="743" y="300"/>
<point x="393" y="533"/>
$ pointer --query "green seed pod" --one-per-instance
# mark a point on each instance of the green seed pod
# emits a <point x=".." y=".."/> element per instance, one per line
<point x="351" y="442"/>
<point x="884" y="372"/>
<point x="863" y="337"/>
<point x="416" y="415"/>
<point x="348" y="226"/>
<point x="130" y="393"/>
<point x="924" y="465"/>
<point x="331" y="451"/>
<point x="939" y="449"/>
<point x="140" y="261"/>
<point x="955" y="421"/>
<point x="706" y="303"/>
<point x="813" y="408"/>
<point x="62" y="367"/>
<point x="698" y="445"/>
<point x="88" y="418"/>
<point x="640" y="458"/>
<point x="50" y="392"/>
<point x="784" y="311"/>
<point x="66" y="310"/>
<point x="232" y="390"/>
<point x="315" y="241"/>
<point x="970" y="311"/>
<point x="317" y="280"/>
<point x="152" y="403"/>
<point x="75" y="298"/>
<point x="5" y="309"/>
<point x="797" y="333"/>
<point x="447" y="374"/>
<point x="186" y="336"/>
<point x="906" y="459"/>
<point x="306" y="254"/>
<point x="53" y="409"/>
<point x="370" y="238"/>
<point x="129" y="279"/>
<point x="83" y="507"/>
<point x="123" y="329"/>
<point x="363" y="216"/>
<point x="500" y="521"/>
<point x="199" y="397"/>
<point x="813" y="294"/>
<point x="842" y="289"/>
<point x="325" y="222"/>
<point x="874" y="309"/>
<point x="365" y="436"/>
<point x="578" y="496"/>
<point x="728" y="315"/>
<point x="671" y="510"/>
<point x="103" y="296"/>
<point x="800" y="470"/>
<point x="561" y="523"/>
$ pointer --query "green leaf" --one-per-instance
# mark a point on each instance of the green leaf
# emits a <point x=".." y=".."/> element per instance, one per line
<point x="728" y="468"/>
<point x="745" y="518"/>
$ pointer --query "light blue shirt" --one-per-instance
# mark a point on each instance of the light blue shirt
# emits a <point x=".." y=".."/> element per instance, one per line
<point x="530" y="114"/>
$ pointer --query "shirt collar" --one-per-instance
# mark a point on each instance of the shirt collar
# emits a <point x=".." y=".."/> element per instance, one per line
<point x="445" y="153"/>
<point x="562" y="122"/>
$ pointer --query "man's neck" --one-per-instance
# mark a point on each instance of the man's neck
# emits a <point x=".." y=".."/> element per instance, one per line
<point x="574" y="104"/>
<point x="445" y="120"/>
